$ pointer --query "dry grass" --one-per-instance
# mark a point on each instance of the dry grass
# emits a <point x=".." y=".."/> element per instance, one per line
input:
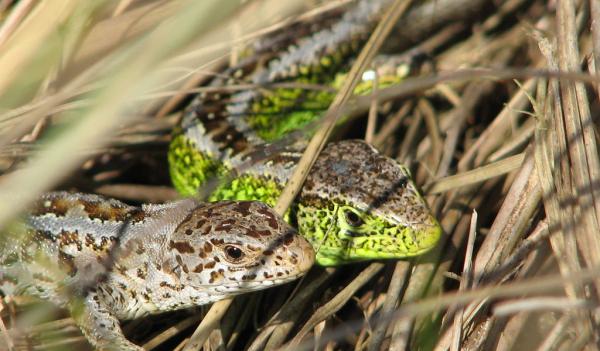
<point x="90" y="93"/>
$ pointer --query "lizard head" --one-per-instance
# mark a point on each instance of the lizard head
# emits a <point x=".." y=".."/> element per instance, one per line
<point x="357" y="204"/>
<point x="237" y="246"/>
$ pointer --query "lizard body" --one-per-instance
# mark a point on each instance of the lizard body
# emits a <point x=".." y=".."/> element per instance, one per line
<point x="356" y="204"/>
<point x="105" y="260"/>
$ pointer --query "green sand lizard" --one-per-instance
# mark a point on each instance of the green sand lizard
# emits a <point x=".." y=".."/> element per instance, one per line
<point x="356" y="203"/>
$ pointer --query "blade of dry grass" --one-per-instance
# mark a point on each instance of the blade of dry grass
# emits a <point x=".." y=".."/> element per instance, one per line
<point x="22" y="47"/>
<point x="392" y="298"/>
<point x="513" y="218"/>
<point x="545" y="284"/>
<point x="170" y="332"/>
<point x="209" y="322"/>
<point x="583" y="153"/>
<point x="116" y="32"/>
<point x="373" y="110"/>
<point x="434" y="133"/>
<point x="539" y="304"/>
<point x="477" y="175"/>
<point x="280" y="325"/>
<point x="507" y="228"/>
<point x="22" y="187"/>
<point x="538" y="236"/>
<point x="334" y="304"/>
<point x="473" y="97"/>
<point x="562" y="209"/>
<point x="522" y="137"/>
<point x="465" y="284"/>
<point x="391" y="125"/>
<point x="18" y="13"/>
<point x="122" y="7"/>
<point x="556" y="334"/>
<point x="495" y="133"/>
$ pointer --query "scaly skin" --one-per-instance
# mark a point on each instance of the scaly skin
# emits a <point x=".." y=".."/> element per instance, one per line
<point x="348" y="176"/>
<point x="105" y="260"/>
<point x="369" y="204"/>
<point x="380" y="216"/>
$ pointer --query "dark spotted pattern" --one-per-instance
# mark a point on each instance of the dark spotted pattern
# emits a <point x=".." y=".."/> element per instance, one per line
<point x="236" y="242"/>
<point x="67" y="264"/>
<point x="95" y="207"/>
<point x="354" y="172"/>
<point x="224" y="134"/>
<point x="357" y="204"/>
<point x="67" y="238"/>
<point x="181" y="246"/>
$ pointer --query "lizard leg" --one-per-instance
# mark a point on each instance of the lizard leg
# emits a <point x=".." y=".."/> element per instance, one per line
<point x="100" y="327"/>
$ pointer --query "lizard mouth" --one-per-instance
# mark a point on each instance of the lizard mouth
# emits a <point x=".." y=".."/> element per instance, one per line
<point x="412" y="242"/>
<point x="254" y="285"/>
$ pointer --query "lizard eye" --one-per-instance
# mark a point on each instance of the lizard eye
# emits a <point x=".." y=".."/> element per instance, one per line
<point x="233" y="253"/>
<point x="353" y="218"/>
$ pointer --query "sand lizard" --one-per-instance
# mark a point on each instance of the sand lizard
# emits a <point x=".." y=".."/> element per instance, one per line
<point x="105" y="260"/>
<point x="356" y="204"/>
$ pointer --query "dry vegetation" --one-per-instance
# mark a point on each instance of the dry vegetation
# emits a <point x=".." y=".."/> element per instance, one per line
<point x="503" y="146"/>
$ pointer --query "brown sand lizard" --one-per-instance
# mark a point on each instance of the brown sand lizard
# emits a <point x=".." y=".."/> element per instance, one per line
<point x="105" y="260"/>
